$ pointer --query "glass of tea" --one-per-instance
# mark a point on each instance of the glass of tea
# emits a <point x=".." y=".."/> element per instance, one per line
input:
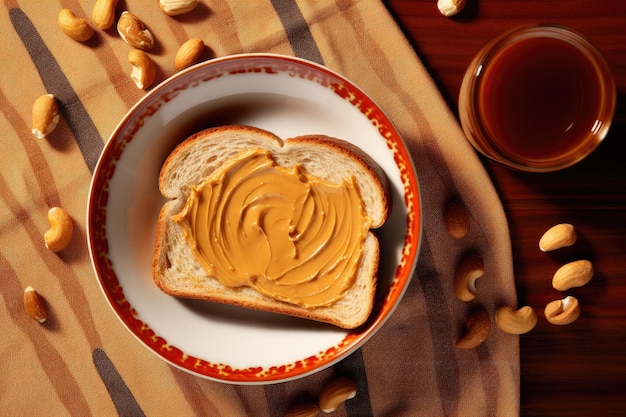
<point x="538" y="98"/>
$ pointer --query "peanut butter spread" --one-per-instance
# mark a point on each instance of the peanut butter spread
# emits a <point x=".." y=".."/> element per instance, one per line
<point x="287" y="234"/>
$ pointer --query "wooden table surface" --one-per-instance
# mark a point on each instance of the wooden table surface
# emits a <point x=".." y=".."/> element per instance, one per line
<point x="579" y="369"/>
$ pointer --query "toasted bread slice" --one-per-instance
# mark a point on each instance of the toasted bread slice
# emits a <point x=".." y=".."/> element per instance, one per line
<point x="176" y="271"/>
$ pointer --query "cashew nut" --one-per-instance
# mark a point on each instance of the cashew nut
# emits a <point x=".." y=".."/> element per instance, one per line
<point x="144" y="68"/>
<point x="450" y="7"/>
<point x="75" y="27"/>
<point x="563" y="311"/>
<point x="303" y="409"/>
<point x="61" y="227"/>
<point x="477" y="328"/>
<point x="573" y="274"/>
<point x="336" y="392"/>
<point x="469" y="269"/>
<point x="514" y="321"/>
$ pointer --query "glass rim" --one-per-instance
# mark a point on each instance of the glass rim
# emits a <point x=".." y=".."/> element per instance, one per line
<point x="473" y="125"/>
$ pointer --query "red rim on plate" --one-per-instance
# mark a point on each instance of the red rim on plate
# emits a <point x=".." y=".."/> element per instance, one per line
<point x="99" y="200"/>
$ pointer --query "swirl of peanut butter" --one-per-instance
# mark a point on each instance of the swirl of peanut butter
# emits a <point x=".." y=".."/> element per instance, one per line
<point x="288" y="234"/>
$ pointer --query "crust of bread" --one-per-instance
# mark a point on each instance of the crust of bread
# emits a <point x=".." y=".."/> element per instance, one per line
<point x="174" y="268"/>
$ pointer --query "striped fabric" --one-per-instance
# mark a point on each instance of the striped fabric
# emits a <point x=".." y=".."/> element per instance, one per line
<point x="83" y="362"/>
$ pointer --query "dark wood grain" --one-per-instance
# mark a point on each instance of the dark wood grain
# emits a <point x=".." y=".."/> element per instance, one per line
<point x="580" y="369"/>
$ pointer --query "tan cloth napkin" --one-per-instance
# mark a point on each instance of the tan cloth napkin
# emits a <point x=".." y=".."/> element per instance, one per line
<point x="82" y="361"/>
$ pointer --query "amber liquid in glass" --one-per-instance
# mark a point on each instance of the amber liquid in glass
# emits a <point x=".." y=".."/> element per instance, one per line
<point x="539" y="99"/>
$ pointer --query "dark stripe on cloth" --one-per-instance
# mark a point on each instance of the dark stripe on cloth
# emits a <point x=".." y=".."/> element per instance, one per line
<point x="353" y="367"/>
<point x="78" y="120"/>
<point x="55" y="266"/>
<point x="297" y="30"/>
<point x="304" y="46"/>
<point x="275" y="395"/>
<point x="439" y="320"/>
<point x="439" y="317"/>
<point x="49" y="358"/>
<point x="123" y="399"/>
<point x="190" y="386"/>
<point x="36" y="158"/>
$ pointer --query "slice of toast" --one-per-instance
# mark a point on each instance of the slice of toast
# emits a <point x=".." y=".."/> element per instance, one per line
<point x="175" y="269"/>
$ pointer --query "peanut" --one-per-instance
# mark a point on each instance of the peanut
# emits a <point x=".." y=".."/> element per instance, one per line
<point x="176" y="7"/>
<point x="573" y="274"/>
<point x="456" y="219"/>
<point x="103" y="13"/>
<point x="188" y="53"/>
<point x="558" y="236"/>
<point x="45" y="115"/>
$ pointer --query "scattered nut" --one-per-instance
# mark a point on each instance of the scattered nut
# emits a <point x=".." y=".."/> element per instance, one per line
<point x="563" y="311"/>
<point x="336" y="392"/>
<point x="45" y="115"/>
<point x="188" y="53"/>
<point x="304" y="409"/>
<point x="573" y="274"/>
<point x="61" y="227"/>
<point x="134" y="32"/>
<point x="103" y="13"/>
<point x="514" y="321"/>
<point x="34" y="306"/>
<point x="469" y="269"/>
<point x="558" y="236"/>
<point x="75" y="27"/>
<point x="176" y="7"/>
<point x="456" y="219"/>
<point x="144" y="68"/>
<point x="450" y="7"/>
<point x="477" y="328"/>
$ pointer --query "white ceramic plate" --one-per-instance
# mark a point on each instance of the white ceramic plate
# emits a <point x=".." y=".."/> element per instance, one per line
<point x="289" y="97"/>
